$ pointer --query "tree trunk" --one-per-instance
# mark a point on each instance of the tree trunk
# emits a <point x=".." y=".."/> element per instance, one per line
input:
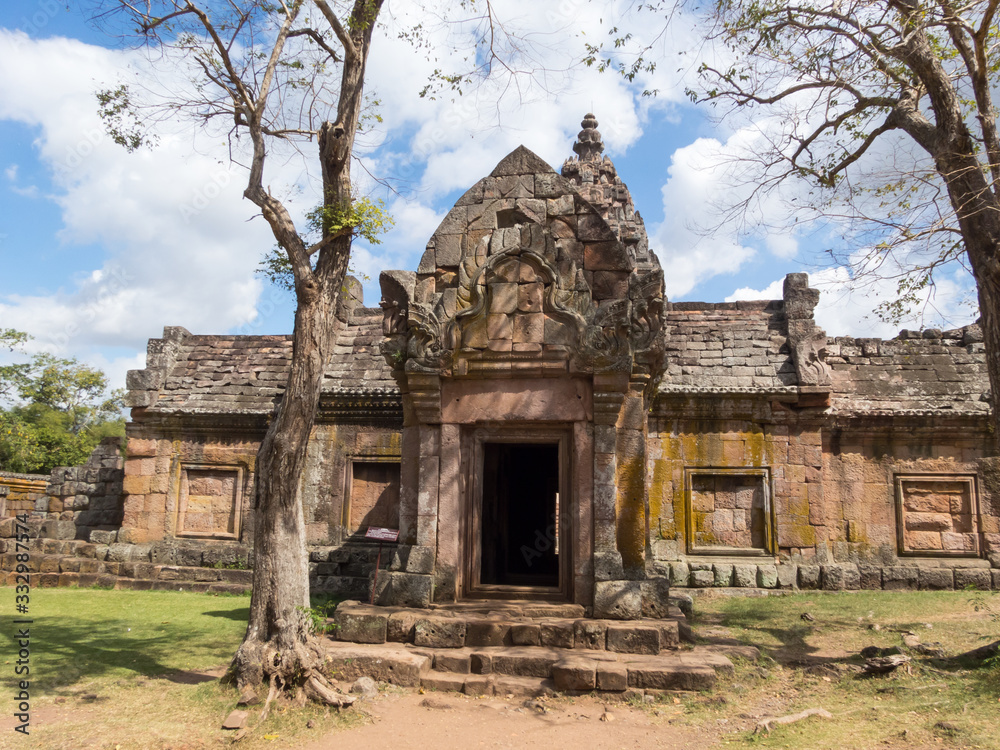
<point x="978" y="212"/>
<point x="279" y="645"/>
<point x="278" y="640"/>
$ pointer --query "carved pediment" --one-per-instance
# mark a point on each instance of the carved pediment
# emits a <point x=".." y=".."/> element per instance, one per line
<point x="525" y="276"/>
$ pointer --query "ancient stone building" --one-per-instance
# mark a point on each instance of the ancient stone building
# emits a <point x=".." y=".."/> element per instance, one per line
<point x="540" y="422"/>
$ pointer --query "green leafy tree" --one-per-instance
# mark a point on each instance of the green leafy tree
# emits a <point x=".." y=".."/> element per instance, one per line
<point x="884" y="110"/>
<point x="58" y="410"/>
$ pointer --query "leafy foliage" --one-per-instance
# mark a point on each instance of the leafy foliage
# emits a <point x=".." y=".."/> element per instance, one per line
<point x="366" y="218"/>
<point x="58" y="411"/>
<point x="876" y="116"/>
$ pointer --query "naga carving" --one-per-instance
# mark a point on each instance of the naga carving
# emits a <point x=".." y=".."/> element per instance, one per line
<point x="805" y="339"/>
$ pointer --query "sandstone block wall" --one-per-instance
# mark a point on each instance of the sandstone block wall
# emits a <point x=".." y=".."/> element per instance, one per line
<point x="20" y="492"/>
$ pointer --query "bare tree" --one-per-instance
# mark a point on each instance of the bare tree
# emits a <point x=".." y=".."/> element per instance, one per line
<point x="264" y="68"/>
<point x="270" y="73"/>
<point x="884" y="108"/>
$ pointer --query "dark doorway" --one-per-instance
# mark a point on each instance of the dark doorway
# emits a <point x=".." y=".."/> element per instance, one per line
<point x="520" y="529"/>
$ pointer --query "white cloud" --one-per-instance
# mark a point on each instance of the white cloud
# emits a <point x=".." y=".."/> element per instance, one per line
<point x="846" y="303"/>
<point x="179" y="248"/>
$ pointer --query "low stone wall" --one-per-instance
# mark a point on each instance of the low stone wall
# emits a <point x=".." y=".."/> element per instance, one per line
<point x="72" y="501"/>
<point x="19" y="493"/>
<point x="934" y="575"/>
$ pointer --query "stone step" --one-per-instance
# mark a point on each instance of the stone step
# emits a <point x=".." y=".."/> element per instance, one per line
<point x="512" y="609"/>
<point x="527" y="670"/>
<point x="494" y="684"/>
<point x="392" y="663"/>
<point x="459" y="628"/>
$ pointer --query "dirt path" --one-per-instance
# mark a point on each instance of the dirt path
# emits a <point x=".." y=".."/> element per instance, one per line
<point x="410" y="721"/>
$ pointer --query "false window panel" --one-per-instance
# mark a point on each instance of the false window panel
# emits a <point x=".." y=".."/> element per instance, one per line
<point x="729" y="511"/>
<point x="210" y="502"/>
<point x="937" y="515"/>
<point x="373" y="495"/>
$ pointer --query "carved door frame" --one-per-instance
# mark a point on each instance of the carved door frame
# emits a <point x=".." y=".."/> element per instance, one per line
<point x="559" y="434"/>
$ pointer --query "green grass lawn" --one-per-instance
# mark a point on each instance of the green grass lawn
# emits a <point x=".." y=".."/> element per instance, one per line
<point x="807" y="664"/>
<point x="93" y="634"/>
<point x="126" y="670"/>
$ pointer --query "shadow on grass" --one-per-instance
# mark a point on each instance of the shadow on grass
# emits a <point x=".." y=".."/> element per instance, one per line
<point x="792" y="647"/>
<point x="64" y="652"/>
<point x="242" y="614"/>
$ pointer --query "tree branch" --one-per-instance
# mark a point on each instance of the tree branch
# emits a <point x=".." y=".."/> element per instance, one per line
<point x="350" y="50"/>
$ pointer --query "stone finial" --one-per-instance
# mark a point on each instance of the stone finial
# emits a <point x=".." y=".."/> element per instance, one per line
<point x="589" y="145"/>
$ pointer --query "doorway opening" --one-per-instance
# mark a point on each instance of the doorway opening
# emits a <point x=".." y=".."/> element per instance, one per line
<point x="520" y="526"/>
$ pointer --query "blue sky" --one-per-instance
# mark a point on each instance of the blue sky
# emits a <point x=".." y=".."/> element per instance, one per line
<point x="100" y="249"/>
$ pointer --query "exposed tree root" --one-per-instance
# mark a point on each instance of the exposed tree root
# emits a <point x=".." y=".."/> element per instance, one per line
<point x="764" y="725"/>
<point x="979" y="655"/>
<point x="290" y="665"/>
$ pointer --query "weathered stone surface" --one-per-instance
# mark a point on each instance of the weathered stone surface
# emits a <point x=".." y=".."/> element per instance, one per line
<point x="486" y="633"/>
<point x="745" y="576"/>
<point x="841" y="577"/>
<point x="400" y="626"/>
<point x="575" y="673"/>
<point x="788" y="576"/>
<point x="439" y="632"/>
<point x="897" y="577"/>
<point x="390" y="663"/>
<point x="98" y="536"/>
<point x="443" y="682"/>
<point x="453" y="660"/>
<point x="526" y="662"/>
<point x="680" y="574"/>
<point x="590" y="634"/>
<point x="871" y="576"/>
<point x="671" y="632"/>
<point x="612" y="677"/>
<point x="525" y="634"/>
<point x="236" y="720"/>
<point x="976" y="578"/>
<point x="481" y="662"/>
<point x="557" y="633"/>
<point x="655" y="597"/>
<point x="618" y="600"/>
<point x="809" y="576"/>
<point x="410" y="589"/>
<point x="767" y="576"/>
<point x="478" y="685"/>
<point x="723" y="574"/>
<point x="608" y="566"/>
<point x="660" y="674"/>
<point x="702" y="578"/>
<point x="359" y="625"/>
<point x="633" y="639"/>
<point x="936" y="579"/>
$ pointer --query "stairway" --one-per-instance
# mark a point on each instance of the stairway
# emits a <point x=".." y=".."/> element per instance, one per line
<point x="520" y="649"/>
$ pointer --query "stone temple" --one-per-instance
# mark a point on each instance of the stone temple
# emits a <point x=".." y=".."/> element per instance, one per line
<point x="540" y="423"/>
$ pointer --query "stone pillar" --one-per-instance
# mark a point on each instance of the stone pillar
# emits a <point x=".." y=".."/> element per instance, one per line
<point x="631" y="479"/>
<point x="409" y="471"/>
<point x="419" y="492"/>
<point x="449" y="526"/>
<point x="582" y="495"/>
<point x="614" y="596"/>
